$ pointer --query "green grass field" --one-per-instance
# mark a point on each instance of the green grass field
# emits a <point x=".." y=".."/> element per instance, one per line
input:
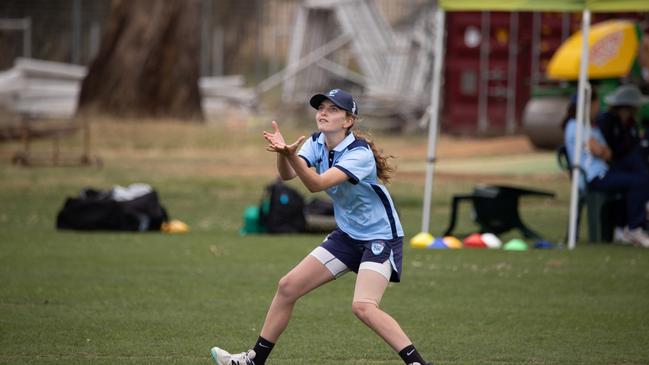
<point x="152" y="298"/>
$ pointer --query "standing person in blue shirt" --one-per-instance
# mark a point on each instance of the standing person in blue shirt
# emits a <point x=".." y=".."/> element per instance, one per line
<point x="368" y="239"/>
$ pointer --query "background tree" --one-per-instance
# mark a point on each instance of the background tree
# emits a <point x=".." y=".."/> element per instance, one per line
<point x="148" y="63"/>
<point x="240" y="20"/>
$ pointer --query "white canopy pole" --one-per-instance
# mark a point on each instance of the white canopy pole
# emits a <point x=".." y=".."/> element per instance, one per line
<point x="433" y="125"/>
<point x="581" y="92"/>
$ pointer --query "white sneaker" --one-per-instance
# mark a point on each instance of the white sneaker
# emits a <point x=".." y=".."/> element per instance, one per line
<point x="222" y="357"/>
<point x="620" y="237"/>
<point x="638" y="236"/>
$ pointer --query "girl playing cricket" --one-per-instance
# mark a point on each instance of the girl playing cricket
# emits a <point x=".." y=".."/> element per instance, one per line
<point x="368" y="239"/>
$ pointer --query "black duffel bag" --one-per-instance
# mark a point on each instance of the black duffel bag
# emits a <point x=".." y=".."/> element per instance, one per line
<point x="99" y="210"/>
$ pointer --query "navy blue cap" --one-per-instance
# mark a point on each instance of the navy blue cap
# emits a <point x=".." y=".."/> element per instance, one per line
<point x="340" y="98"/>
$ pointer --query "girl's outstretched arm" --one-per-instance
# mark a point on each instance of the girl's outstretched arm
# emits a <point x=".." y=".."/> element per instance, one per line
<point x="289" y="164"/>
<point x="311" y="179"/>
<point x="276" y="139"/>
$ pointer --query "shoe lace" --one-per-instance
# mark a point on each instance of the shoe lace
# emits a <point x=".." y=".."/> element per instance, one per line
<point x="243" y="359"/>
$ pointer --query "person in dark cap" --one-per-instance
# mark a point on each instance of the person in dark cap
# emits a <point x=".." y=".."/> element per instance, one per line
<point x="368" y="239"/>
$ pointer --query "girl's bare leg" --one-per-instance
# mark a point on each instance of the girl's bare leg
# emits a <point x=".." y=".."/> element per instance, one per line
<point x="370" y="286"/>
<point x="306" y="276"/>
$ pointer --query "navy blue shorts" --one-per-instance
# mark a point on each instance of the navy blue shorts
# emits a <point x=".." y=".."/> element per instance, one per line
<point x="352" y="252"/>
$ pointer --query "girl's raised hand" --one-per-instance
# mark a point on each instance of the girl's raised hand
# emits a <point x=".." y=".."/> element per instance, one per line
<point x="291" y="149"/>
<point x="275" y="139"/>
<point x="277" y="144"/>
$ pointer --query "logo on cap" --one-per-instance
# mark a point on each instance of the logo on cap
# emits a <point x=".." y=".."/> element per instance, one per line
<point x="334" y="92"/>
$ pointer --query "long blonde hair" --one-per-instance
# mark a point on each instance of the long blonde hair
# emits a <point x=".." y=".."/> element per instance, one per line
<point x="384" y="168"/>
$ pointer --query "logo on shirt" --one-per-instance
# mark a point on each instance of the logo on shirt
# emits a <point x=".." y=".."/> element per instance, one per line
<point x="377" y="247"/>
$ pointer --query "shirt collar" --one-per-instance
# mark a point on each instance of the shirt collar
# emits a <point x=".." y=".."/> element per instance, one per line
<point x="349" y="139"/>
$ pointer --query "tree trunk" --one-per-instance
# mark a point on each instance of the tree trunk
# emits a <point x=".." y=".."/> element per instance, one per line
<point x="148" y="62"/>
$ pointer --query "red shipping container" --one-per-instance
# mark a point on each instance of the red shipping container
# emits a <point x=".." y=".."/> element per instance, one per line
<point x="478" y="98"/>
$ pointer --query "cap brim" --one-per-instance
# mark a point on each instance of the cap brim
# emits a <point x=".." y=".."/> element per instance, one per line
<point x="644" y="100"/>
<point x="610" y="100"/>
<point x="317" y="99"/>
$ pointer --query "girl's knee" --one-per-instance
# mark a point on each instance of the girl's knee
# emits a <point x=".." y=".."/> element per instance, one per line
<point x="363" y="309"/>
<point x="286" y="288"/>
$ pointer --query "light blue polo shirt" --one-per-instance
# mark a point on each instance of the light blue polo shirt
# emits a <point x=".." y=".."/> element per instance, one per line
<point x="593" y="166"/>
<point x="363" y="208"/>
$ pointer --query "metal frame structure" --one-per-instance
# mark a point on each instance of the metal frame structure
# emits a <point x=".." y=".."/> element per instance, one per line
<point x="351" y="40"/>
